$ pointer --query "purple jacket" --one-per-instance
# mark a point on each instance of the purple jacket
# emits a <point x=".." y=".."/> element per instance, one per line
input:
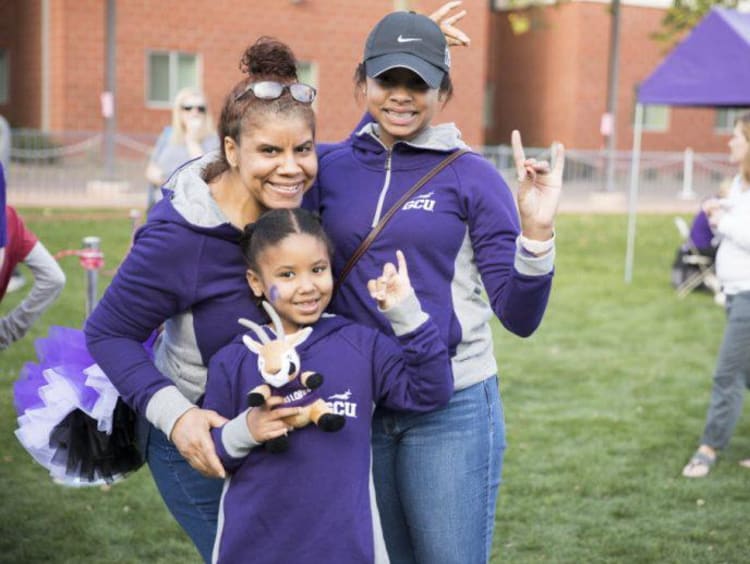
<point x="312" y="503"/>
<point x="185" y="272"/>
<point x="458" y="233"/>
<point x="3" y="221"/>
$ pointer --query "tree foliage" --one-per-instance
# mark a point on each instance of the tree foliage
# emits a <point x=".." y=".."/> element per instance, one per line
<point x="683" y="15"/>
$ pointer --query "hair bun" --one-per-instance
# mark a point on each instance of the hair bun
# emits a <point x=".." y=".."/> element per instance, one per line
<point x="269" y="59"/>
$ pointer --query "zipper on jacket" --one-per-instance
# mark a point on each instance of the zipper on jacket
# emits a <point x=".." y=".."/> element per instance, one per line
<point x="383" y="190"/>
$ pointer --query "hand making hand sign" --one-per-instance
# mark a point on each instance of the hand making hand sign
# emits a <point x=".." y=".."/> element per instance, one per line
<point x="454" y="36"/>
<point x="539" y="188"/>
<point x="393" y="286"/>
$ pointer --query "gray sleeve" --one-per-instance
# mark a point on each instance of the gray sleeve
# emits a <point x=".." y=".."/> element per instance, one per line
<point x="165" y="407"/>
<point x="49" y="280"/>
<point x="534" y="266"/>
<point x="237" y="439"/>
<point x="406" y="316"/>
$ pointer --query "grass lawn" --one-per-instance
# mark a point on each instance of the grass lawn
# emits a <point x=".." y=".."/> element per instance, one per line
<point x="603" y="405"/>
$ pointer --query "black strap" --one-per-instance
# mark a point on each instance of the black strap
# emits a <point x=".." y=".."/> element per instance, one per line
<point x="364" y="245"/>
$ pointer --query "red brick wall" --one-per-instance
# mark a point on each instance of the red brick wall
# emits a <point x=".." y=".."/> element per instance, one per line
<point x="330" y="33"/>
<point x="20" y="34"/>
<point x="78" y="63"/>
<point x="552" y="81"/>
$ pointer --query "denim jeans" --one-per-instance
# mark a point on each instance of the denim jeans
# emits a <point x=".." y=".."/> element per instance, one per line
<point x="192" y="498"/>
<point x="437" y="476"/>
<point x="732" y="374"/>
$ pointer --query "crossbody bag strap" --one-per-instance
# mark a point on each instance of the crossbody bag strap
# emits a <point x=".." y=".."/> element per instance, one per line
<point x="364" y="245"/>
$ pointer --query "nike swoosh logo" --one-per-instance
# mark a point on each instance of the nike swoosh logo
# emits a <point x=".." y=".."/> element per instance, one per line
<point x="401" y="39"/>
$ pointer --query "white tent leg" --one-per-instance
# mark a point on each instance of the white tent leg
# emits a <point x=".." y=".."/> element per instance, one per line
<point x="635" y="162"/>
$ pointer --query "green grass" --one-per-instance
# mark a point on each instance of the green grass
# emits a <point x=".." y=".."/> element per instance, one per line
<point x="603" y="405"/>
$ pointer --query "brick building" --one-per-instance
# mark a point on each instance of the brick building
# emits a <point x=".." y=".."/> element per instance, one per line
<point x="549" y="82"/>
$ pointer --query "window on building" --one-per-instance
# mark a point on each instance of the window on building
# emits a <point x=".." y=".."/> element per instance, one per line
<point x="168" y="72"/>
<point x="307" y="73"/>
<point x="655" y="117"/>
<point x="725" y="118"/>
<point x="4" y="76"/>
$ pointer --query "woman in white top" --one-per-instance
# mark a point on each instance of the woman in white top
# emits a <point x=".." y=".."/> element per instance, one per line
<point x="730" y="219"/>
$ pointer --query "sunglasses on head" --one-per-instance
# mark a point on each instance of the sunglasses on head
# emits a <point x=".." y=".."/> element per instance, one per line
<point x="269" y="90"/>
<point x="188" y="108"/>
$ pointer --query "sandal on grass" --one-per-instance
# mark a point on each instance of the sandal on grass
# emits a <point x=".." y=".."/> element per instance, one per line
<point x="699" y="466"/>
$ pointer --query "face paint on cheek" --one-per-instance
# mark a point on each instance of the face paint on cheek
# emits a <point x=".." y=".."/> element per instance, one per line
<point x="273" y="294"/>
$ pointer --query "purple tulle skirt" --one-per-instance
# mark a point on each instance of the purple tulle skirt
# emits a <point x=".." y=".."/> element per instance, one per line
<point x="70" y="418"/>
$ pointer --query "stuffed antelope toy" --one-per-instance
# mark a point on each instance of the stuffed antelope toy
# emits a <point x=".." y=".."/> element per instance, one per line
<point x="279" y="364"/>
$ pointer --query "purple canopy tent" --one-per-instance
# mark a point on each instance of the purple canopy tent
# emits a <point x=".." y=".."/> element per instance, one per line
<point x="710" y="67"/>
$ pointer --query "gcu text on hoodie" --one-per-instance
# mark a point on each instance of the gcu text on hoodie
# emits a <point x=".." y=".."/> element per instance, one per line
<point x="313" y="502"/>
<point x="458" y="232"/>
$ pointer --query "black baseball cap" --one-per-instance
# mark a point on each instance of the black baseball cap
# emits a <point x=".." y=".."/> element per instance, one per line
<point x="408" y="40"/>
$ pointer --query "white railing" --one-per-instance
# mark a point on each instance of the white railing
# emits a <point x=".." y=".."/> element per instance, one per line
<point x="69" y="168"/>
<point x="664" y="176"/>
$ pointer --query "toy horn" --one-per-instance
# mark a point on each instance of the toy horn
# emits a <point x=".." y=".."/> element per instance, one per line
<point x="255" y="328"/>
<point x="277" y="325"/>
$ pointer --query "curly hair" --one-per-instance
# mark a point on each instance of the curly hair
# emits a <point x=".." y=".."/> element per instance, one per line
<point x="266" y="59"/>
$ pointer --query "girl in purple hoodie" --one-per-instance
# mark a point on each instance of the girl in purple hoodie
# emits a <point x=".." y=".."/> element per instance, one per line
<point x="312" y="501"/>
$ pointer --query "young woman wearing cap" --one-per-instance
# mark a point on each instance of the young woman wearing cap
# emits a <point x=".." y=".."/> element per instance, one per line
<point x="437" y="474"/>
<point x="185" y="271"/>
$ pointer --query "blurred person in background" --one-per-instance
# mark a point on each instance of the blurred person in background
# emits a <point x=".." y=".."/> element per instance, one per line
<point x="191" y="134"/>
<point x="3" y="221"/>
<point x="729" y="217"/>
<point x="22" y="246"/>
<point x="4" y="142"/>
<point x="17" y="279"/>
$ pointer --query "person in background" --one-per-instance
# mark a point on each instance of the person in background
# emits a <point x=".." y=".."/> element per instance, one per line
<point x="22" y="246"/>
<point x="5" y="142"/>
<point x="191" y="134"/>
<point x="4" y="161"/>
<point x="17" y="279"/>
<point x="730" y="219"/>
<point x="437" y="474"/>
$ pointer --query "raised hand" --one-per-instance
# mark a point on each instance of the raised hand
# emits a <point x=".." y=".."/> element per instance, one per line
<point x="393" y="286"/>
<point x="191" y="435"/>
<point x="453" y="35"/>
<point x="539" y="189"/>
<point x="265" y="423"/>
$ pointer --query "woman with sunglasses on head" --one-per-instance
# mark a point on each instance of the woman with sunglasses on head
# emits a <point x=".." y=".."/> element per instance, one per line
<point x="191" y="134"/>
<point x="436" y="474"/>
<point x="185" y="272"/>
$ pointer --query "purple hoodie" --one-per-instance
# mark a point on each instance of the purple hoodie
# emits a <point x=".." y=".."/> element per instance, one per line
<point x="458" y="233"/>
<point x="185" y="272"/>
<point x="313" y="502"/>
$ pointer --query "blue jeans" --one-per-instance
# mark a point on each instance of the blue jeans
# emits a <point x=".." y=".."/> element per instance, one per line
<point x="732" y="375"/>
<point x="192" y="498"/>
<point x="437" y="476"/>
